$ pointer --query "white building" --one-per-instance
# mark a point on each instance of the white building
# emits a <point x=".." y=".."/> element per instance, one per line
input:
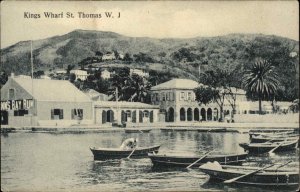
<point x="43" y="102"/>
<point x="109" y="56"/>
<point x="105" y="74"/>
<point x="80" y="74"/>
<point x="139" y="72"/>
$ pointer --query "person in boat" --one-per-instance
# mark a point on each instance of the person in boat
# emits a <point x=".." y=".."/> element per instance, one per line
<point x="130" y="143"/>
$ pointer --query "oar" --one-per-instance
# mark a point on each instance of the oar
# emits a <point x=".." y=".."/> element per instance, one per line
<point x="251" y="173"/>
<point x="205" y="155"/>
<point x="131" y="153"/>
<point x="272" y="150"/>
<point x="283" y="164"/>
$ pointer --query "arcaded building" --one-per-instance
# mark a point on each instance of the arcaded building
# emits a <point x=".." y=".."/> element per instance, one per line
<point x="177" y="101"/>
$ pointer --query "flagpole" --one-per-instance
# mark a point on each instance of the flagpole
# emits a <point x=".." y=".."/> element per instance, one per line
<point x="31" y="61"/>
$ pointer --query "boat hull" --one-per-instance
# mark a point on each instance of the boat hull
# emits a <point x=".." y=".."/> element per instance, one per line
<point x="272" y="178"/>
<point x="105" y="154"/>
<point x="181" y="161"/>
<point x="137" y="130"/>
<point x="264" y="148"/>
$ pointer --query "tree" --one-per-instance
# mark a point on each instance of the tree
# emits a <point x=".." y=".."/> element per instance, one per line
<point x="261" y="81"/>
<point x="205" y="95"/>
<point x="127" y="58"/>
<point x="220" y="84"/>
<point x="72" y="77"/>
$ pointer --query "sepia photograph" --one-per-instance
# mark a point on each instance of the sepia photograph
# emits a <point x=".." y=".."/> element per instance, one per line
<point x="149" y="96"/>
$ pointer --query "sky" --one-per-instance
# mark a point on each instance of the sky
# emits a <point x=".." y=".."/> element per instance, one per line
<point x="158" y="19"/>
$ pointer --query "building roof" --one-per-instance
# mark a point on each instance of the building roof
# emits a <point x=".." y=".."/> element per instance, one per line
<point x="124" y="104"/>
<point x="52" y="90"/>
<point x="177" y="84"/>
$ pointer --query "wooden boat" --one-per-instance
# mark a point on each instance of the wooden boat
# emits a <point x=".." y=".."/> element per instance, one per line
<point x="268" y="146"/>
<point x="214" y="130"/>
<point x="276" y="138"/>
<point x="281" y="177"/>
<point x="136" y="130"/>
<point x="270" y="132"/>
<point x="117" y="153"/>
<point x="184" y="161"/>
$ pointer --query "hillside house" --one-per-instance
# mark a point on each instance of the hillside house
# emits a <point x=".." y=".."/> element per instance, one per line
<point x="106" y="74"/>
<point x="109" y="56"/>
<point x="80" y="74"/>
<point x="139" y="72"/>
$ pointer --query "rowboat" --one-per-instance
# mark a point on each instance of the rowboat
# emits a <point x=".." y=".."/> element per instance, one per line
<point x="184" y="161"/>
<point x="214" y="130"/>
<point x="271" y="132"/>
<point x="268" y="146"/>
<point x="135" y="130"/>
<point x="266" y="177"/>
<point x="276" y="138"/>
<point x="117" y="153"/>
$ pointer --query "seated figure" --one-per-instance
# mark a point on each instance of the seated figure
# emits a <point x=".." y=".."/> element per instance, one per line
<point x="128" y="144"/>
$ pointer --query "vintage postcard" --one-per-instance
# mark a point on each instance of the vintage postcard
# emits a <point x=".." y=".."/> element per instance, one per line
<point x="149" y="95"/>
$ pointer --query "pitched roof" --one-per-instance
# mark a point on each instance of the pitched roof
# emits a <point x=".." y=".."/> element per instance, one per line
<point x="125" y="104"/>
<point x="177" y="84"/>
<point x="52" y="90"/>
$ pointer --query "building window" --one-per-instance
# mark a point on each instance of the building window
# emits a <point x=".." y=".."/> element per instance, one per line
<point x="57" y="114"/>
<point x="77" y="114"/>
<point x="168" y="96"/>
<point x="153" y="97"/>
<point x="163" y="95"/>
<point x="156" y="97"/>
<point x="11" y="94"/>
<point x="182" y="96"/>
<point x="189" y="96"/>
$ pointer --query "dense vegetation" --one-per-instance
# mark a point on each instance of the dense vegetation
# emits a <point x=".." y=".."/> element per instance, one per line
<point x="179" y="57"/>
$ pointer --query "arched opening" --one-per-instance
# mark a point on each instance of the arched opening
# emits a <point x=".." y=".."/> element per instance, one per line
<point x="196" y="114"/>
<point x="182" y="114"/>
<point x="110" y="116"/>
<point x="209" y="114"/>
<point x="171" y="114"/>
<point x="189" y="114"/>
<point x="216" y="114"/>
<point x="104" y="117"/>
<point x="203" y="114"/>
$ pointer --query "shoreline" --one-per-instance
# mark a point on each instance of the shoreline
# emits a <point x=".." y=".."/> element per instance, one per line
<point x="181" y="126"/>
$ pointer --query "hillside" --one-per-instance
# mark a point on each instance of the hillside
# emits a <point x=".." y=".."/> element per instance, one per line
<point x="179" y="56"/>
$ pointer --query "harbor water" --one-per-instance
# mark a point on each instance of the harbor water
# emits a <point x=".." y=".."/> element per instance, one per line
<point x="32" y="161"/>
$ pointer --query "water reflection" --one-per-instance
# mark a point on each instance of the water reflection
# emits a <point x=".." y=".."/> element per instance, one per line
<point x="63" y="161"/>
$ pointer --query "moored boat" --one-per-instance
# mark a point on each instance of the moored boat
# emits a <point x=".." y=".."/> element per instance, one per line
<point x="271" y="176"/>
<point x="214" y="130"/>
<point x="263" y="139"/>
<point x="136" y="130"/>
<point x="270" y="146"/>
<point x="184" y="161"/>
<point x="117" y="153"/>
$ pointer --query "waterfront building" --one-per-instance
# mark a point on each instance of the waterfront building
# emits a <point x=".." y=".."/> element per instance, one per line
<point x="43" y="102"/>
<point x="125" y="112"/>
<point x="177" y="101"/>
<point x="80" y="74"/>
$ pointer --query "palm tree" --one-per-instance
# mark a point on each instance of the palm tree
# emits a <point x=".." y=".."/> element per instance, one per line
<point x="261" y="81"/>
